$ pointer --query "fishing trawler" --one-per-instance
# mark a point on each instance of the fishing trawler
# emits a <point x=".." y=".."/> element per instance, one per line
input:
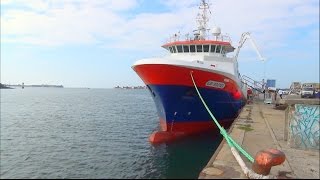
<point x="169" y="80"/>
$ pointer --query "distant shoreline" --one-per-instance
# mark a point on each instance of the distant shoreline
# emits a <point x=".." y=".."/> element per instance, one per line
<point x="42" y="85"/>
<point x="131" y="87"/>
<point x="19" y="86"/>
<point x="2" y="86"/>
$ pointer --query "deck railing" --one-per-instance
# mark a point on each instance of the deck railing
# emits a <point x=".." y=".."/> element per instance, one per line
<point x="177" y="37"/>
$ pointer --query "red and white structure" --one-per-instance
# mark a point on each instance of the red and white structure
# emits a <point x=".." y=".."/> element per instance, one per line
<point x="180" y="110"/>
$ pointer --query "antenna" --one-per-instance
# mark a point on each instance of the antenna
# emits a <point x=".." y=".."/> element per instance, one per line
<point x="187" y="36"/>
<point x="203" y="19"/>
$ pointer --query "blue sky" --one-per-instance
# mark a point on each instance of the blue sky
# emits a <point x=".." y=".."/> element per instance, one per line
<point x="93" y="43"/>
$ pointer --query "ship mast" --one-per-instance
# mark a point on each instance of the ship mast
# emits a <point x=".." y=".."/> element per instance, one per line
<point x="202" y="20"/>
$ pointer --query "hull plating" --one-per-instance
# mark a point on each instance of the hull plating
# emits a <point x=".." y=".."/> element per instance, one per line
<point x="179" y="108"/>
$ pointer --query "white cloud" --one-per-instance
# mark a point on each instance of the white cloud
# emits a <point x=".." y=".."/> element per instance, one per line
<point x="59" y="26"/>
<point x="37" y="5"/>
<point x="180" y="4"/>
<point x="4" y="2"/>
<point x="88" y="22"/>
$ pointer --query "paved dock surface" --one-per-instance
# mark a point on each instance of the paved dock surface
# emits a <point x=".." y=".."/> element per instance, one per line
<point x="260" y="126"/>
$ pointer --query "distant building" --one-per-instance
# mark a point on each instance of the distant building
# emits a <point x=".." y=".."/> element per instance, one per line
<point x="295" y="87"/>
<point x="271" y="83"/>
<point x="316" y="86"/>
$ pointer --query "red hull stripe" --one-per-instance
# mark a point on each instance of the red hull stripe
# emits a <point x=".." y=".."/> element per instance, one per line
<point x="191" y="127"/>
<point x="161" y="74"/>
<point x="180" y="130"/>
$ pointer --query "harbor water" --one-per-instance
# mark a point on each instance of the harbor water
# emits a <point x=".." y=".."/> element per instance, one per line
<point x="91" y="133"/>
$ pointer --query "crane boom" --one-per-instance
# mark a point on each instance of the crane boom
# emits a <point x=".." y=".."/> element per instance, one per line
<point x="243" y="39"/>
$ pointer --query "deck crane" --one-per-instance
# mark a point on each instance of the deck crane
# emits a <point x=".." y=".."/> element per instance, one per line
<point x="245" y="79"/>
<point x="243" y="39"/>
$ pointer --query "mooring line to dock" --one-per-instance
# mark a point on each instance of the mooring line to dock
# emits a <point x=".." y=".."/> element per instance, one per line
<point x="233" y="145"/>
<point x="224" y="133"/>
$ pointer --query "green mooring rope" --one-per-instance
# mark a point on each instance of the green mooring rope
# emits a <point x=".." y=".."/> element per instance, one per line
<point x="224" y="133"/>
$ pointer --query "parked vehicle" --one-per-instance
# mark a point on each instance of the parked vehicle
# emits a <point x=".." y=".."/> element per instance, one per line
<point x="285" y="92"/>
<point x="308" y="92"/>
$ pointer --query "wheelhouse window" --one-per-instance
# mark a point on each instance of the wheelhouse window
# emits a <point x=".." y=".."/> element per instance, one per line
<point x="174" y="49"/>
<point x="170" y="48"/>
<point x="199" y="48"/>
<point x="205" y="48"/>
<point x="192" y="48"/>
<point x="186" y="48"/>
<point x="218" y="49"/>
<point x="213" y="48"/>
<point x="179" y="49"/>
<point x="223" y="51"/>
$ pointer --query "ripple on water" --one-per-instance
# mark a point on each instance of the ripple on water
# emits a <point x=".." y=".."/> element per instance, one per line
<point x="91" y="133"/>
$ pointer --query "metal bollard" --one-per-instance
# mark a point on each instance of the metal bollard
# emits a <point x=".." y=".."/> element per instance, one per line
<point x="265" y="159"/>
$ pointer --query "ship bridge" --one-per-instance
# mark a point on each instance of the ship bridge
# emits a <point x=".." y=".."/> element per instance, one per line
<point x="204" y="40"/>
<point x="199" y="46"/>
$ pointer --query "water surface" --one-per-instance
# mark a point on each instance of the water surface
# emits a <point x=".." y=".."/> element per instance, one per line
<point x="91" y="133"/>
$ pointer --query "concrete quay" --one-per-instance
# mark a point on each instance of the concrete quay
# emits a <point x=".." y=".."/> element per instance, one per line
<point x="258" y="127"/>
